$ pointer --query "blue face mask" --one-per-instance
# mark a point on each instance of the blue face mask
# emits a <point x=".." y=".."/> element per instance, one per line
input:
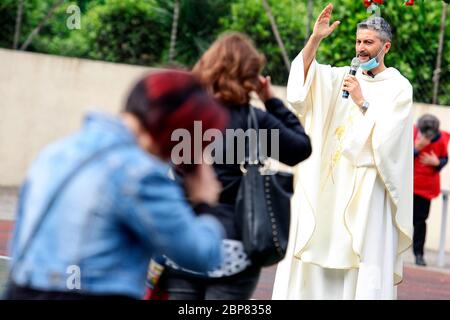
<point x="372" y="63"/>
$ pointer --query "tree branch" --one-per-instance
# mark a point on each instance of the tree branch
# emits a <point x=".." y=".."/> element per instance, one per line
<point x="36" y="30"/>
<point x="173" y="36"/>
<point x="277" y="34"/>
<point x="18" y="24"/>
<point x="437" y="71"/>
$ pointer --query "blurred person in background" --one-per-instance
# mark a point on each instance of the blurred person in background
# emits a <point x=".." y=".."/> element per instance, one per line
<point x="430" y="156"/>
<point x="98" y="204"/>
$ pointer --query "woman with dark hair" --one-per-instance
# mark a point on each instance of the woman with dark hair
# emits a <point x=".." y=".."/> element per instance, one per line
<point x="230" y="70"/>
<point x="96" y="206"/>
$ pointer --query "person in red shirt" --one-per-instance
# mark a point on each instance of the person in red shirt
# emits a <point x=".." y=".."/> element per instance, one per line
<point x="430" y="156"/>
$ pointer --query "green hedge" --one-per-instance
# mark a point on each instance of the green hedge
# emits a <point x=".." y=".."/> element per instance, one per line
<point x="32" y="10"/>
<point x="414" y="49"/>
<point x="138" y="32"/>
<point x="250" y="17"/>
<point x="111" y="30"/>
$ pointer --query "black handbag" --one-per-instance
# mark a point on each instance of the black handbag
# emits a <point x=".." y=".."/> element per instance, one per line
<point x="263" y="205"/>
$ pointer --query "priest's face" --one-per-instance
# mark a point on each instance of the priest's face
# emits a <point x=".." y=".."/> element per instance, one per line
<point x="369" y="45"/>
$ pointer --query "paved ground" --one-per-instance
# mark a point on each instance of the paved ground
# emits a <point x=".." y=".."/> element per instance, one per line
<point x="6" y="228"/>
<point x="419" y="282"/>
<point x="8" y="199"/>
<point x="3" y="275"/>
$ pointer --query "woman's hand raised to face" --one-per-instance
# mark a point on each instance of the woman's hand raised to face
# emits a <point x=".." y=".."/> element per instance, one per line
<point x="265" y="90"/>
<point x="202" y="185"/>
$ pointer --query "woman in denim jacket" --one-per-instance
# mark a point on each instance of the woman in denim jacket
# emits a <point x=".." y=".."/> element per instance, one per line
<point x="98" y="204"/>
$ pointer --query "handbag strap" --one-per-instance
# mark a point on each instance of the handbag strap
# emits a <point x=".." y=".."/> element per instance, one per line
<point x="252" y="123"/>
<point x="63" y="184"/>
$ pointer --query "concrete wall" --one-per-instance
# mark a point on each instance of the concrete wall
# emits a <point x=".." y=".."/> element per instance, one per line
<point x="43" y="97"/>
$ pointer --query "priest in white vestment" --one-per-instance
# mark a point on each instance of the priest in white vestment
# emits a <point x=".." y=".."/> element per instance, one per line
<point x="352" y="206"/>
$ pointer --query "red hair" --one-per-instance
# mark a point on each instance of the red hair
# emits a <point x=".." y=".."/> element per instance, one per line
<point x="170" y="100"/>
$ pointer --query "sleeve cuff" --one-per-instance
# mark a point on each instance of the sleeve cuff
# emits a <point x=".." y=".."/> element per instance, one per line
<point x="202" y="207"/>
<point x="442" y="164"/>
<point x="273" y="103"/>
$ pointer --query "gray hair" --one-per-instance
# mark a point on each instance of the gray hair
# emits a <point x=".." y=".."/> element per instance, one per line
<point x="428" y="125"/>
<point x="378" y="24"/>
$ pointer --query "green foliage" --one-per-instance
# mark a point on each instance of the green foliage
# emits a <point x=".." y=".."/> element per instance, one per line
<point x="125" y="31"/>
<point x="8" y="20"/>
<point x="138" y="32"/>
<point x="249" y="16"/>
<point x="198" y="26"/>
<point x="56" y="38"/>
<point x="8" y="13"/>
<point x="414" y="47"/>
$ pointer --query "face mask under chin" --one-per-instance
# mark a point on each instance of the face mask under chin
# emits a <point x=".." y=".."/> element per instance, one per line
<point x="372" y="63"/>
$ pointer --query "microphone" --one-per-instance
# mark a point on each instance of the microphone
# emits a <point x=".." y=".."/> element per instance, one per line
<point x="353" y="68"/>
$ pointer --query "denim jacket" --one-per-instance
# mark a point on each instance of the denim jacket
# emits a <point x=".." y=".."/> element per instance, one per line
<point x="108" y="221"/>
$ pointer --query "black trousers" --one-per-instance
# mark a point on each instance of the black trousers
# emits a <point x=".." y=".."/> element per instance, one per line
<point x="185" y="287"/>
<point x="16" y="292"/>
<point x="421" y="212"/>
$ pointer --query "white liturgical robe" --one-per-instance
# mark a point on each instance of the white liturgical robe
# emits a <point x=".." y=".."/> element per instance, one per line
<point x="352" y="205"/>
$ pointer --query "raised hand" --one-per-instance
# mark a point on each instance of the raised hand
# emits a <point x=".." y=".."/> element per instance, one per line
<point x="202" y="185"/>
<point x="322" y="28"/>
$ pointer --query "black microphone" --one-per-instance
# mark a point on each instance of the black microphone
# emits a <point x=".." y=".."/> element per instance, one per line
<point x="353" y="68"/>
